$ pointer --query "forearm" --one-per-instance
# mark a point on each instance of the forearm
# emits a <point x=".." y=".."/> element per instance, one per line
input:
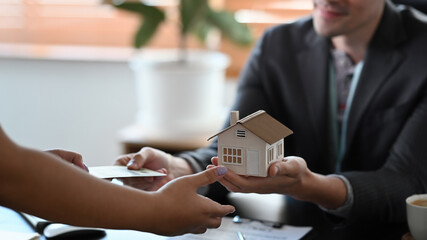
<point x="198" y="159"/>
<point x="181" y="167"/>
<point x="40" y="184"/>
<point x="327" y="191"/>
<point x="379" y="193"/>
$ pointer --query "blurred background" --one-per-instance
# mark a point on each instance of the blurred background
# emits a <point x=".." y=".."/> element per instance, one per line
<point x="65" y="76"/>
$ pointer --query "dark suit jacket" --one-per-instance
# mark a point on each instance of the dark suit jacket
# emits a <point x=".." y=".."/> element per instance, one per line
<point x="386" y="158"/>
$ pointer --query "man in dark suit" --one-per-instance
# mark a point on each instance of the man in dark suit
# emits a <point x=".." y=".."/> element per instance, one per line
<point x="418" y="4"/>
<point x="351" y="82"/>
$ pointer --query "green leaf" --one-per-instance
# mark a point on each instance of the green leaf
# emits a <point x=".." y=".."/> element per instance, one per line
<point x="235" y="31"/>
<point x="191" y="12"/>
<point x="152" y="17"/>
<point x="201" y="30"/>
<point x="146" y="31"/>
<point x="196" y="17"/>
<point x="141" y="8"/>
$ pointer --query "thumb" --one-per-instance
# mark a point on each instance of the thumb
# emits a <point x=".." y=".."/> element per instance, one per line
<point x="214" y="161"/>
<point x="278" y="168"/>
<point x="136" y="162"/>
<point x="208" y="176"/>
<point x="289" y="166"/>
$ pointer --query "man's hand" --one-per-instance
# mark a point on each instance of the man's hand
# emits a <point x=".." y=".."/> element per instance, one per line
<point x="284" y="177"/>
<point x="290" y="176"/>
<point x="156" y="160"/>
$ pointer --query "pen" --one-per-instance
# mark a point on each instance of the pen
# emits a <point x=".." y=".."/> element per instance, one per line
<point x="240" y="236"/>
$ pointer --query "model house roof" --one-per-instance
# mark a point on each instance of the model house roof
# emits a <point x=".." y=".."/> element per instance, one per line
<point x="263" y="125"/>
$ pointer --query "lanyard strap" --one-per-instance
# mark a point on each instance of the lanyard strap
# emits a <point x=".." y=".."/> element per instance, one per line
<point x="340" y="141"/>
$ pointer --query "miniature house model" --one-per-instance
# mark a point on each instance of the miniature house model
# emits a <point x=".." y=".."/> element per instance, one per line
<point x="249" y="145"/>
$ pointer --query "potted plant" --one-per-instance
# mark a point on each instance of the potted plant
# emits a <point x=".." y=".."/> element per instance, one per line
<point x="180" y="90"/>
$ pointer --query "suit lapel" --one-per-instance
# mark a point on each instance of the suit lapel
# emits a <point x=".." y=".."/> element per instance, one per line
<point x="313" y="64"/>
<point x="382" y="59"/>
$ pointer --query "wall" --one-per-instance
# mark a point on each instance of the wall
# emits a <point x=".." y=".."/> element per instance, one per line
<point x="75" y="105"/>
<point x="79" y="105"/>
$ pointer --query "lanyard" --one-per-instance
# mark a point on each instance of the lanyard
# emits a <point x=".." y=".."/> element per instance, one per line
<point x="340" y="141"/>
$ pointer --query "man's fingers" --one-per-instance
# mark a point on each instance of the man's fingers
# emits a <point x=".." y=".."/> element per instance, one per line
<point x="214" y="161"/>
<point x="123" y="160"/>
<point x="137" y="161"/>
<point x="229" y="185"/>
<point x="281" y="168"/>
<point x="289" y="166"/>
<point x="244" y="184"/>
<point x="141" y="183"/>
<point x="140" y="158"/>
<point x="227" y="181"/>
<point x="274" y="169"/>
<point x="236" y="179"/>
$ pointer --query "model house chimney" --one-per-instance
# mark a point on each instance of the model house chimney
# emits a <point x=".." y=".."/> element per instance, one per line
<point x="234" y="117"/>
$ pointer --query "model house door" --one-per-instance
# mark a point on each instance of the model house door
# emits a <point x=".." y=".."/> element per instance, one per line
<point x="252" y="162"/>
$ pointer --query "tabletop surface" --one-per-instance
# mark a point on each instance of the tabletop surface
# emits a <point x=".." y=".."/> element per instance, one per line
<point x="13" y="221"/>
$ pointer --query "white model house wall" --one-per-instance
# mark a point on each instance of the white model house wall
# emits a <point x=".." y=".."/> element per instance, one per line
<point x="251" y="148"/>
<point x="274" y="152"/>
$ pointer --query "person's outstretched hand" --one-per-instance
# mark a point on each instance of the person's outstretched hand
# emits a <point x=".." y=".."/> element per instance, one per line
<point x="156" y="160"/>
<point x="181" y="210"/>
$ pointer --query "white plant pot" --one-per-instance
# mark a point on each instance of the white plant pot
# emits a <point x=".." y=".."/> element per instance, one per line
<point x="177" y="99"/>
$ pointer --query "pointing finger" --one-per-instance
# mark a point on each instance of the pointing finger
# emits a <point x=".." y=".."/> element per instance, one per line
<point x="208" y="176"/>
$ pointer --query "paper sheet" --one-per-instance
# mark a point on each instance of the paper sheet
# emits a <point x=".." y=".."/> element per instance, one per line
<point x="121" y="172"/>
<point x="252" y="230"/>
<point x="18" y="235"/>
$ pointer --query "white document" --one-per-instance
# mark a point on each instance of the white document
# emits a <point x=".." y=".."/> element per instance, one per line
<point x="253" y="230"/>
<point x="122" y="172"/>
<point x="18" y="235"/>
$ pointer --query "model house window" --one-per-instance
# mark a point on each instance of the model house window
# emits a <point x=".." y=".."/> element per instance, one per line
<point x="279" y="149"/>
<point x="241" y="133"/>
<point x="232" y="155"/>
<point x="270" y="154"/>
